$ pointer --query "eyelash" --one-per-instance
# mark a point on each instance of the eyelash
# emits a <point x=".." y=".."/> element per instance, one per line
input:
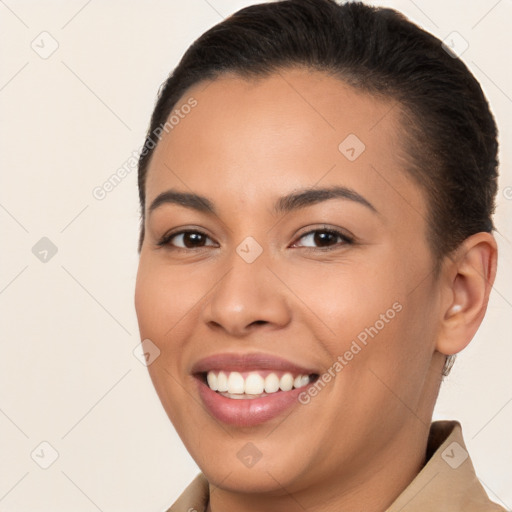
<point x="166" y="239"/>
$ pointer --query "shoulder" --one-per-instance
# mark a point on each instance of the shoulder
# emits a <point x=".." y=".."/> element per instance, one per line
<point x="448" y="481"/>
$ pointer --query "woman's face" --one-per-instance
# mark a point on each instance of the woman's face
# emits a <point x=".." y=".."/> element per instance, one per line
<point x="336" y="287"/>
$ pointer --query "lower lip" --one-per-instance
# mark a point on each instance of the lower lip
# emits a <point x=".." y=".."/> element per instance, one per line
<point x="251" y="411"/>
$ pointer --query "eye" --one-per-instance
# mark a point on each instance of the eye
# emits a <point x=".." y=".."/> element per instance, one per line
<point x="184" y="240"/>
<point x="325" y="238"/>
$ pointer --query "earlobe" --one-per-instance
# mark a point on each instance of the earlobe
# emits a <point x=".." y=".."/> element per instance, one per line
<point x="469" y="277"/>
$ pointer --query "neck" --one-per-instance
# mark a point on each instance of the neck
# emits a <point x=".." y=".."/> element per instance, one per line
<point x="372" y="487"/>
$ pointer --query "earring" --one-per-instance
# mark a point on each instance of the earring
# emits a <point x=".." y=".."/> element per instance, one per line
<point x="448" y="364"/>
<point x="456" y="308"/>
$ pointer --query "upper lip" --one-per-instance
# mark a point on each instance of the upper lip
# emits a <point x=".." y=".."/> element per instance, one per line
<point x="247" y="362"/>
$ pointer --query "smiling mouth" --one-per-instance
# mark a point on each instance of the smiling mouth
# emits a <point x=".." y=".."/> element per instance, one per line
<point x="247" y="390"/>
<point x="254" y="384"/>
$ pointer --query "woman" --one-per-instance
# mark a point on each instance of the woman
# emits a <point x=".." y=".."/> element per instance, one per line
<point x="317" y="188"/>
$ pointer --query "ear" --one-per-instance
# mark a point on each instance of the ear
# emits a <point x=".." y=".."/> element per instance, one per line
<point x="468" y="276"/>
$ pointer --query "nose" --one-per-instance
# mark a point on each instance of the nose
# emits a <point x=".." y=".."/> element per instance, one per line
<point x="247" y="296"/>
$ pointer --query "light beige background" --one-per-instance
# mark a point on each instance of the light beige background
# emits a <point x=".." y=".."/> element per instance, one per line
<point x="68" y="375"/>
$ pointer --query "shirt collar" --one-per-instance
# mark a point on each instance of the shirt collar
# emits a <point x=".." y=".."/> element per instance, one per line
<point x="448" y="480"/>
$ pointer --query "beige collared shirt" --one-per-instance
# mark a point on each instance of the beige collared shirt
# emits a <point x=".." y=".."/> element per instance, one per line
<point x="447" y="482"/>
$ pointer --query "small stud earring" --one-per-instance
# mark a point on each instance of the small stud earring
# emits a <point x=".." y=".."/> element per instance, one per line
<point x="456" y="308"/>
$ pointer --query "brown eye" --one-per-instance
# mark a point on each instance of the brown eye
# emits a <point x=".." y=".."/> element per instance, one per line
<point x="325" y="238"/>
<point x="185" y="240"/>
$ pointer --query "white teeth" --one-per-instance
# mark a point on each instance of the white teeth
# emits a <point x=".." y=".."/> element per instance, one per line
<point x="304" y="381"/>
<point x="271" y="383"/>
<point x="212" y="381"/>
<point x="234" y="385"/>
<point x="222" y="382"/>
<point x="236" y="396"/>
<point x="286" y="382"/>
<point x="241" y="396"/>
<point x="254" y="384"/>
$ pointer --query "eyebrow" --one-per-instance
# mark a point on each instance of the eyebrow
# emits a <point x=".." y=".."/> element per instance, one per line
<point x="308" y="197"/>
<point x="293" y="201"/>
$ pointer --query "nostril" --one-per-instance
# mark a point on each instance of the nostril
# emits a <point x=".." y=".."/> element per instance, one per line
<point x="259" y="322"/>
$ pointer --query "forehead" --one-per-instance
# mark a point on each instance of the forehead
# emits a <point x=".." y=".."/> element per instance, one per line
<point x="260" y="138"/>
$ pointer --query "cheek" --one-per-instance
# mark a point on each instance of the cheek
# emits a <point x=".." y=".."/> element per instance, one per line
<point x="162" y="300"/>
<point x="344" y="300"/>
<point x="369" y="314"/>
<point x="164" y="296"/>
<point x="148" y="296"/>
